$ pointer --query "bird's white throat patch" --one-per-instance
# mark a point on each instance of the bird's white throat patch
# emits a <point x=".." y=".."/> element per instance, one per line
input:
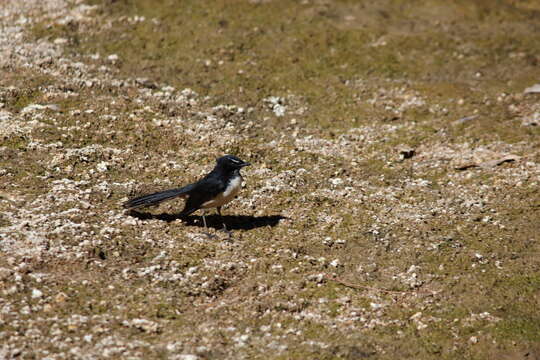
<point x="233" y="187"/>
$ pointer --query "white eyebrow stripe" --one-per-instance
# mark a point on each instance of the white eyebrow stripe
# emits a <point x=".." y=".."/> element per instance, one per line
<point x="235" y="161"/>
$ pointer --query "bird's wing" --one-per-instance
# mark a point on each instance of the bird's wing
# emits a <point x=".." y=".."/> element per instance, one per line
<point x="204" y="190"/>
<point x="158" y="197"/>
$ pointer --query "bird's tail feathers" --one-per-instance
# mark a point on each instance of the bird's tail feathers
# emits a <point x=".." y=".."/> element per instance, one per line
<point x="156" y="198"/>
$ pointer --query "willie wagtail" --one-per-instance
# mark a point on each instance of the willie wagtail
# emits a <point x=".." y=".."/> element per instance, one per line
<point x="216" y="189"/>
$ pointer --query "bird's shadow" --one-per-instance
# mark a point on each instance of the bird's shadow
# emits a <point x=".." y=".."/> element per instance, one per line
<point x="232" y="222"/>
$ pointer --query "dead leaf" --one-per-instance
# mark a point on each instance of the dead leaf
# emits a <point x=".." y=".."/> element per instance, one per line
<point x="497" y="162"/>
<point x="535" y="89"/>
<point x="466" y="166"/>
<point x="489" y="163"/>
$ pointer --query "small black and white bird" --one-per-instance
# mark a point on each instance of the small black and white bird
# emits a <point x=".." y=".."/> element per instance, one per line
<point x="216" y="189"/>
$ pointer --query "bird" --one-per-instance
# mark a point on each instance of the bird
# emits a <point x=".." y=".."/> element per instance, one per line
<point x="217" y="188"/>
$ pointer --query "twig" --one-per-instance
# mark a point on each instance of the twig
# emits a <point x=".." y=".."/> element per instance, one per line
<point x="363" y="287"/>
<point x="465" y="119"/>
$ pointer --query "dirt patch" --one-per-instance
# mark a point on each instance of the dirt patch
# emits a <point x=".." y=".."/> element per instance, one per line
<point x="361" y="232"/>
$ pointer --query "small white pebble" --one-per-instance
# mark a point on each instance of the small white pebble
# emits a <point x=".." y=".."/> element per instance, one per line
<point x="327" y="241"/>
<point x="187" y="357"/>
<point x="102" y="166"/>
<point x="416" y="316"/>
<point x="336" y="181"/>
<point x="334" y="263"/>
<point x="60" y="41"/>
<point x="36" y="294"/>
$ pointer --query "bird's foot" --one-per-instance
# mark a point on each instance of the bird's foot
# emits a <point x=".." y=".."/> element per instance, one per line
<point x="228" y="232"/>
<point x="210" y="236"/>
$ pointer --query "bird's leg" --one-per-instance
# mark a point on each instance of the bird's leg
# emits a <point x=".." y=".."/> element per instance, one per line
<point x="221" y="216"/>
<point x="206" y="227"/>
<point x="224" y="229"/>
<point x="204" y="221"/>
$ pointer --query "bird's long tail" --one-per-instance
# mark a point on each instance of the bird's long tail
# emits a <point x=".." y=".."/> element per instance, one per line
<point x="156" y="198"/>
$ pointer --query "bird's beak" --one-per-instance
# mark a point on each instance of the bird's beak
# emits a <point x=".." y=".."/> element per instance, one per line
<point x="245" y="164"/>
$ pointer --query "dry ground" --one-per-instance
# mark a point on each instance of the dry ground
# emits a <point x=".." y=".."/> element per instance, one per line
<point x="392" y="209"/>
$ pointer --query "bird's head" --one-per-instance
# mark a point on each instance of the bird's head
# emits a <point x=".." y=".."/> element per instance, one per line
<point x="231" y="162"/>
